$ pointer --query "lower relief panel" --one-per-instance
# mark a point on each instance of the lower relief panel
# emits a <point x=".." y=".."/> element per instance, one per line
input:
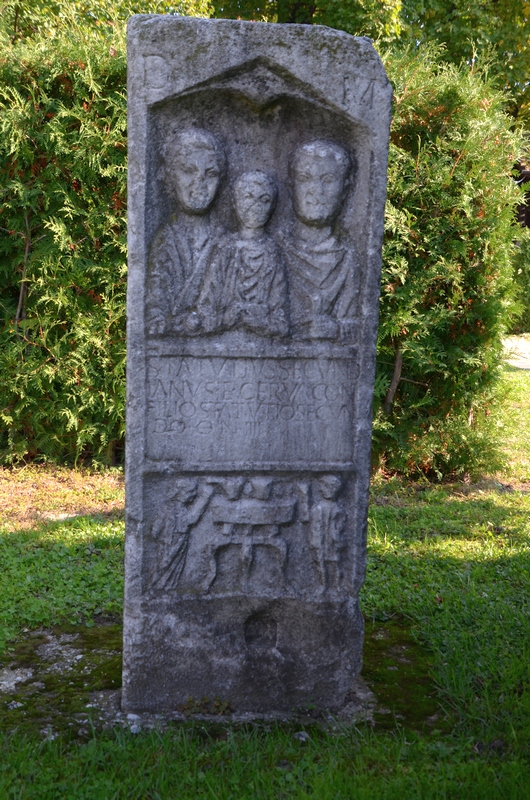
<point x="247" y="594"/>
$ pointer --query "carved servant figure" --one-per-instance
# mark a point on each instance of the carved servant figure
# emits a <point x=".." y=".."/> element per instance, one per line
<point x="327" y="524"/>
<point x="245" y="286"/>
<point x="193" y="164"/>
<point x="323" y="266"/>
<point x="171" y="530"/>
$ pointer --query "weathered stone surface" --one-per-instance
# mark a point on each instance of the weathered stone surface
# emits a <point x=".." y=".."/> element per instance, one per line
<point x="257" y="174"/>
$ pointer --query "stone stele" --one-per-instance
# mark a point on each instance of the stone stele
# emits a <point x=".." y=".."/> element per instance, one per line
<point x="257" y="177"/>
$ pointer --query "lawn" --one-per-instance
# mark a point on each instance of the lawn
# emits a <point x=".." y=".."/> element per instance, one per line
<point x="447" y="609"/>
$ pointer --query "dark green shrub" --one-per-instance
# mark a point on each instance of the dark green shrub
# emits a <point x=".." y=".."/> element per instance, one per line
<point x="23" y="19"/>
<point x="447" y="276"/>
<point x="379" y="20"/>
<point x="63" y="169"/>
<point x="446" y="280"/>
<point x="63" y="243"/>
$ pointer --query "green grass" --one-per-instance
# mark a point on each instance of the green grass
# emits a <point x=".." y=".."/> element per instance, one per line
<point x="447" y="565"/>
<point x="457" y="567"/>
<point x="70" y="571"/>
<point x="258" y="763"/>
<point x="514" y="424"/>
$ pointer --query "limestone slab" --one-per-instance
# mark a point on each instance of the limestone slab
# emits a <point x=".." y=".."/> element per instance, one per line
<point x="257" y="179"/>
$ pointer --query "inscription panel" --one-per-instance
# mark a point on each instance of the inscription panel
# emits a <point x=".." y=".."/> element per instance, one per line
<point x="257" y="412"/>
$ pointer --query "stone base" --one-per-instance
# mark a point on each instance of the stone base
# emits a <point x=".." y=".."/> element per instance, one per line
<point x="252" y="654"/>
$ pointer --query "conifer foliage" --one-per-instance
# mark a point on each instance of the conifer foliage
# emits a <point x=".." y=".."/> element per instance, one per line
<point x="63" y="243"/>
<point x="447" y="265"/>
<point x="446" y="261"/>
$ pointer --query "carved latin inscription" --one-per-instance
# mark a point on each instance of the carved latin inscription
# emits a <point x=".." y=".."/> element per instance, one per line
<point x="251" y="411"/>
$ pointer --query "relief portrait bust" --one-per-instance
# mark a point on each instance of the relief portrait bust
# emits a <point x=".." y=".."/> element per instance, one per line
<point x="323" y="266"/>
<point x="245" y="286"/>
<point x="193" y="164"/>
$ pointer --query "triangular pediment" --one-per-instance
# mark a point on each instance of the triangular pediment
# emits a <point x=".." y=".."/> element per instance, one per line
<point x="260" y="81"/>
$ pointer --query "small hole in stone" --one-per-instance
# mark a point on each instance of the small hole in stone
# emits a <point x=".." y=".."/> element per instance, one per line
<point x="261" y="630"/>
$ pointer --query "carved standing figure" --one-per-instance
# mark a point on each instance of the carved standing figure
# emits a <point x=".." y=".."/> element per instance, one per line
<point x="172" y="528"/>
<point x="322" y="265"/>
<point x="193" y="165"/>
<point x="327" y="524"/>
<point x="245" y="286"/>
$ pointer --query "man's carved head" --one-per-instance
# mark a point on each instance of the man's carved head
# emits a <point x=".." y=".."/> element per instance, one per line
<point x="320" y="173"/>
<point x="194" y="163"/>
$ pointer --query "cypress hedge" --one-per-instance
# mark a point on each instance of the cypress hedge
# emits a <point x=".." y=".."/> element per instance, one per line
<point x="447" y="277"/>
<point x="63" y="244"/>
<point x="447" y="285"/>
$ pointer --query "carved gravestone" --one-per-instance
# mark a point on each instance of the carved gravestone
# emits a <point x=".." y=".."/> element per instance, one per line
<point x="257" y="172"/>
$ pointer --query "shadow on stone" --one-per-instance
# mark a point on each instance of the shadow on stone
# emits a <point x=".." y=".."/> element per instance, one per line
<point x="261" y="630"/>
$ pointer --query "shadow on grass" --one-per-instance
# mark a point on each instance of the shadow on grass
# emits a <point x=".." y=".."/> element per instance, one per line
<point x="65" y="571"/>
<point x="453" y="571"/>
<point x="457" y="568"/>
<point x="50" y="519"/>
<point x="69" y="677"/>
